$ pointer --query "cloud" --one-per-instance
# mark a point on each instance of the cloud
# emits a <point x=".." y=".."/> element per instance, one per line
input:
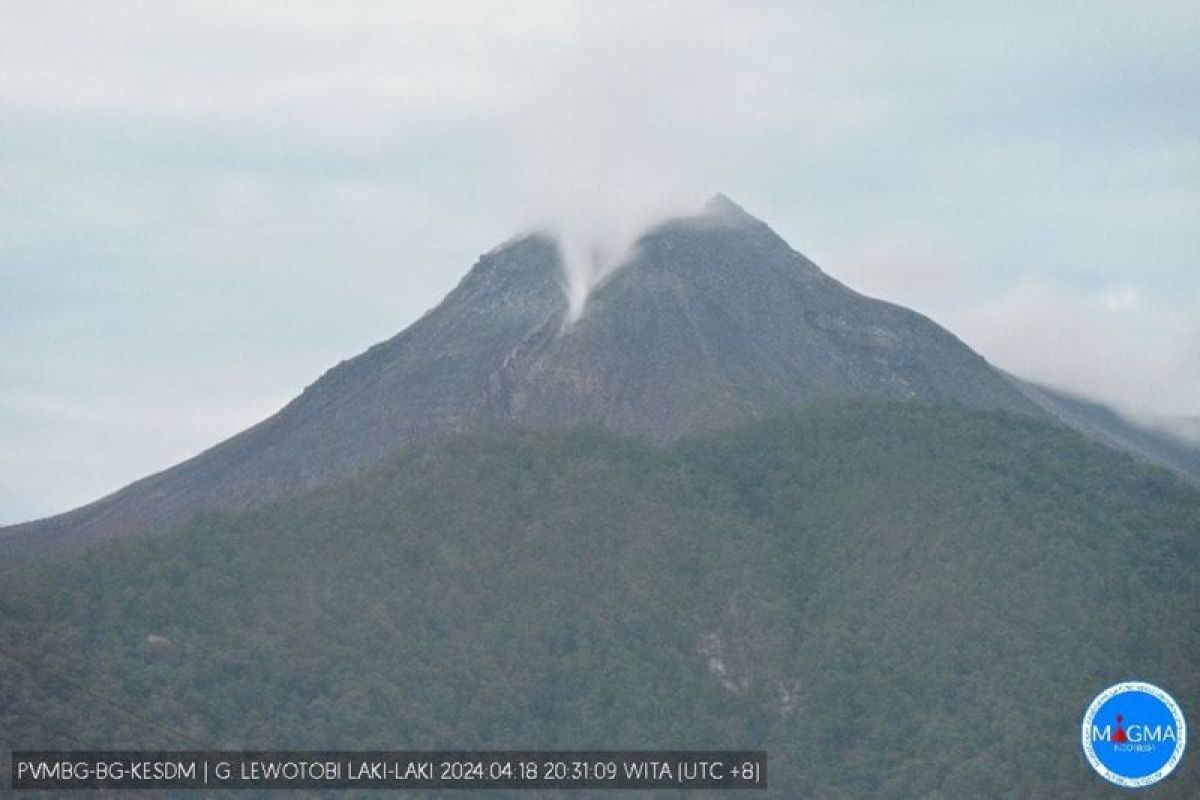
<point x="191" y="185"/>
<point x="1112" y="343"/>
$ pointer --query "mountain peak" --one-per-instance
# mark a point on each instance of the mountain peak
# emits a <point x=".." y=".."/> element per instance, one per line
<point x="721" y="204"/>
<point x="719" y="212"/>
<point x="721" y="207"/>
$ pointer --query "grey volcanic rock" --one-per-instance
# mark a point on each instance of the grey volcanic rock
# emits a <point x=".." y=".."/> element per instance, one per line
<point x="712" y="321"/>
<point x="430" y="379"/>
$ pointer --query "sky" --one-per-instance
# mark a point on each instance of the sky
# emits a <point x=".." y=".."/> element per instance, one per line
<point x="205" y="205"/>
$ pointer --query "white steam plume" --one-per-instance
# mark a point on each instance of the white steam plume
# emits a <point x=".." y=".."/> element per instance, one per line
<point x="593" y="244"/>
<point x="619" y="130"/>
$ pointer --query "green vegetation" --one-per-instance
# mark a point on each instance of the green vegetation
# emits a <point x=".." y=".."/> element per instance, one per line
<point x="894" y="600"/>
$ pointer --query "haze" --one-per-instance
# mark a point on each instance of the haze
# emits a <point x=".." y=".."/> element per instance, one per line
<point x="205" y="205"/>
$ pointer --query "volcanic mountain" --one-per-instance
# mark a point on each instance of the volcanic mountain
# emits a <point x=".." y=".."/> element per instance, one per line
<point x="731" y="505"/>
<point x="712" y="320"/>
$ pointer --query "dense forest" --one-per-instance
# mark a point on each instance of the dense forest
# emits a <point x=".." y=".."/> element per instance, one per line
<point x="894" y="600"/>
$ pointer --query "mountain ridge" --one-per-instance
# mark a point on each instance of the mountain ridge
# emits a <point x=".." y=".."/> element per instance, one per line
<point x="1110" y="427"/>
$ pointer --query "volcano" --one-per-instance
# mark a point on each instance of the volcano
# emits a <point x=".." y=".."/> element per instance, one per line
<point x="712" y="320"/>
<point x="728" y="503"/>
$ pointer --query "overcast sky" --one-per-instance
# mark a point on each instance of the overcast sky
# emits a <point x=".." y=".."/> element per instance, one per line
<point x="204" y="205"/>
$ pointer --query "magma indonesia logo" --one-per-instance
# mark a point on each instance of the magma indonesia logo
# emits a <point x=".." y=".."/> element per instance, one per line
<point x="1134" y="734"/>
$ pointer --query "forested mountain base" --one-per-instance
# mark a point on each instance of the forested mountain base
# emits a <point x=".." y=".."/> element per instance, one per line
<point x="894" y="600"/>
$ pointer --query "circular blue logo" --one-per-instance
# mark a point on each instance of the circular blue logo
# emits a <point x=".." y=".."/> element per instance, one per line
<point x="1134" y="734"/>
